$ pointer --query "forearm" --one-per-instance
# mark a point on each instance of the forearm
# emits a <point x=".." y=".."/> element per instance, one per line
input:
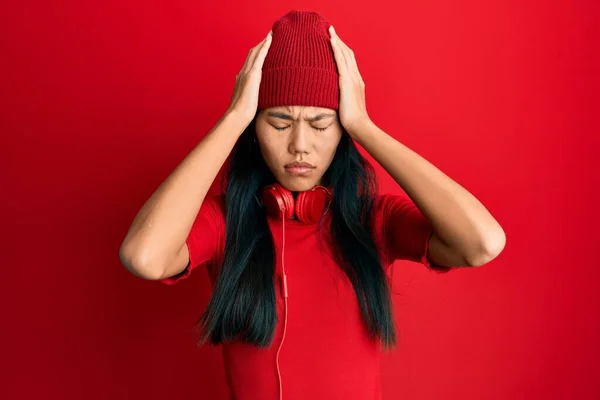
<point x="458" y="218"/>
<point x="162" y="225"/>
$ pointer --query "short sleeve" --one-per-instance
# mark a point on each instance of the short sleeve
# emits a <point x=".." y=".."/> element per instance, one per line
<point x="405" y="231"/>
<point x="205" y="237"/>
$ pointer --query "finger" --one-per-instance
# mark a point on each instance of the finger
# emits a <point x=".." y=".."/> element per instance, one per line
<point x="338" y="52"/>
<point x="248" y="58"/>
<point x="354" y="66"/>
<point x="345" y="50"/>
<point x="262" y="53"/>
<point x="348" y="57"/>
<point x="252" y="54"/>
<point x="246" y="62"/>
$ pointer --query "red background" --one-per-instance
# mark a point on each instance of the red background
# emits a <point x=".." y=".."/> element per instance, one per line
<point x="101" y="101"/>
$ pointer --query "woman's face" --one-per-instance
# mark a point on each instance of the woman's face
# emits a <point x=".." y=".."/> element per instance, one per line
<point x="298" y="134"/>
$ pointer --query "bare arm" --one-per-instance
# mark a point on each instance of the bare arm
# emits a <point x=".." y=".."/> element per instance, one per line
<point x="155" y="243"/>
<point x="465" y="232"/>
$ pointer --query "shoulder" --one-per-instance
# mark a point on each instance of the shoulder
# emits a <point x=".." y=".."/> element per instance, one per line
<point x="388" y="204"/>
<point x="399" y="227"/>
<point x="382" y="205"/>
<point x="214" y="204"/>
<point x="210" y="220"/>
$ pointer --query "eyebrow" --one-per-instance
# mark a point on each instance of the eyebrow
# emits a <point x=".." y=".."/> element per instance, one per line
<point x="289" y="117"/>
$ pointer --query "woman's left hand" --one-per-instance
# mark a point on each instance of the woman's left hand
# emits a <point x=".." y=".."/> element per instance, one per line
<point x="352" y="107"/>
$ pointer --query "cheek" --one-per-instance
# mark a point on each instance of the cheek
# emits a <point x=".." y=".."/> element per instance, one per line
<point x="270" y="151"/>
<point x="265" y="141"/>
<point x="330" y="146"/>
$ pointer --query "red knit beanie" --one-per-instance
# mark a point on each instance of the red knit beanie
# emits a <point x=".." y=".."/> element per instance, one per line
<point x="300" y="67"/>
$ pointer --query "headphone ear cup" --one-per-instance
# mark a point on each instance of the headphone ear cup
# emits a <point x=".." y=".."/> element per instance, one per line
<point x="312" y="204"/>
<point x="288" y="201"/>
<point x="278" y="201"/>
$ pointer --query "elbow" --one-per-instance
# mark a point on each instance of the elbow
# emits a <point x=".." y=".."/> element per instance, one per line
<point x="489" y="250"/>
<point x="139" y="264"/>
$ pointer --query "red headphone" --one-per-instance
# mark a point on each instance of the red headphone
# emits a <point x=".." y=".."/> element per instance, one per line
<point x="310" y="205"/>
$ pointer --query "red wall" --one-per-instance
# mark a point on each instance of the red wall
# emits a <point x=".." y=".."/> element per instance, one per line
<point x="101" y="100"/>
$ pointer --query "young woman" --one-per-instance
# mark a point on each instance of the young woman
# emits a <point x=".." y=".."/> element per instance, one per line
<point x="299" y="246"/>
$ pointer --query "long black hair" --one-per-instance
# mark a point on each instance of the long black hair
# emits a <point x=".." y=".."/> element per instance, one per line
<point x="243" y="303"/>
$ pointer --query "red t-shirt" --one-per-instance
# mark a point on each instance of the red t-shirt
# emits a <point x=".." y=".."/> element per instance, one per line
<point x="326" y="353"/>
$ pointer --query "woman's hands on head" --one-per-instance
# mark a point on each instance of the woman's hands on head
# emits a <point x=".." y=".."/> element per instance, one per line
<point x="353" y="107"/>
<point x="244" y="101"/>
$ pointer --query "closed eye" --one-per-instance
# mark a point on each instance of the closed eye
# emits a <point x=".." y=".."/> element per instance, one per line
<point x="285" y="127"/>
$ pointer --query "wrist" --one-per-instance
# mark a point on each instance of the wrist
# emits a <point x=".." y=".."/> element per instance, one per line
<point x="235" y="120"/>
<point x="360" y="129"/>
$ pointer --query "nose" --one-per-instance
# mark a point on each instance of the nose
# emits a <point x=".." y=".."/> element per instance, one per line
<point x="299" y="140"/>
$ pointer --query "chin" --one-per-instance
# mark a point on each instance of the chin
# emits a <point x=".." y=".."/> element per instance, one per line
<point x="298" y="184"/>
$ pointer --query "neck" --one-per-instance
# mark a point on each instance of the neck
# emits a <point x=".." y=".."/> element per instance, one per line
<point x="295" y="194"/>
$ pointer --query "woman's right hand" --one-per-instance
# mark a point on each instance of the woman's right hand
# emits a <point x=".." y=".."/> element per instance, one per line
<point x="244" y="101"/>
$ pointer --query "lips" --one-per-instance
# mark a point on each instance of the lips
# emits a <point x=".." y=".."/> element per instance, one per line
<point x="299" y="165"/>
<point x="299" y="168"/>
